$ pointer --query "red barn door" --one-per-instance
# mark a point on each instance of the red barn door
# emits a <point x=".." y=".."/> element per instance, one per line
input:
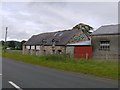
<point x="83" y="52"/>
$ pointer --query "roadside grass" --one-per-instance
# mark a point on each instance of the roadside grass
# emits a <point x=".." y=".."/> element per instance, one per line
<point x="0" y="50"/>
<point x="106" y="69"/>
<point x="15" y="51"/>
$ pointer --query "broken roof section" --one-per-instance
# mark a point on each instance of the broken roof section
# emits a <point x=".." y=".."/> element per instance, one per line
<point x="61" y="37"/>
<point x="107" y="30"/>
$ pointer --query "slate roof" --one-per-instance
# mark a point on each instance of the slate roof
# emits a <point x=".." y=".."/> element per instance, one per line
<point x="61" y="37"/>
<point x="107" y="30"/>
<point x="81" y="43"/>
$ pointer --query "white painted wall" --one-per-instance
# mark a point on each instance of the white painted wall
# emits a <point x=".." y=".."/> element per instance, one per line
<point x="37" y="47"/>
<point x="32" y="47"/>
<point x="27" y="47"/>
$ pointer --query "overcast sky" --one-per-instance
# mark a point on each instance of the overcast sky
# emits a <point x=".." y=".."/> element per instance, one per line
<point x="25" y="19"/>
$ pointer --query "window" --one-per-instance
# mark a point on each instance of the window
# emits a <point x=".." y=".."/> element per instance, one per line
<point x="61" y="34"/>
<point x="59" y="51"/>
<point x="53" y="51"/>
<point x="32" y="47"/>
<point x="44" y="41"/>
<point x="37" y="47"/>
<point x="44" y="51"/>
<point x="55" y="34"/>
<point x="27" y="47"/>
<point x="104" y="45"/>
<point x="53" y="40"/>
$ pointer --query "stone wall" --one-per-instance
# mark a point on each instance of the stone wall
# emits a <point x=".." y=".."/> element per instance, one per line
<point x="45" y="50"/>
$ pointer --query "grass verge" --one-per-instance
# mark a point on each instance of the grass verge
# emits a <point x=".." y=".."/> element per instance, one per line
<point x="106" y="69"/>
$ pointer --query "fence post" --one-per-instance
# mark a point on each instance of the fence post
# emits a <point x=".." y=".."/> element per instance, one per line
<point x="86" y="56"/>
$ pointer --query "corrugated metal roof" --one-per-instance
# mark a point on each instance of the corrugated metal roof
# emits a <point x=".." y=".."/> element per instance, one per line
<point x="108" y="29"/>
<point x="80" y="43"/>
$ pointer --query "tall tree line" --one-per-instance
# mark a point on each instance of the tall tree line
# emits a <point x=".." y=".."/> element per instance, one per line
<point x="13" y="45"/>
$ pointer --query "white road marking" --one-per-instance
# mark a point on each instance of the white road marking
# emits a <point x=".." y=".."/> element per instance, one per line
<point x="14" y="85"/>
<point x="0" y="74"/>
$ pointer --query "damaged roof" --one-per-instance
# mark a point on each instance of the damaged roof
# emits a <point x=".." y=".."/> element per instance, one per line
<point x="107" y="30"/>
<point x="60" y="37"/>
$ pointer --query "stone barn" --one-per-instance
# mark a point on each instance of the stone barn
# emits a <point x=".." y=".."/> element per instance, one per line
<point x="54" y="42"/>
<point x="105" y="42"/>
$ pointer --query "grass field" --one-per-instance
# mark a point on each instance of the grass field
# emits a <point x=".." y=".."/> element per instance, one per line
<point x="107" y="69"/>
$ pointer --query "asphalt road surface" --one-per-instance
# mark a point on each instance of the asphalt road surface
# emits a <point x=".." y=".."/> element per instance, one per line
<point x="22" y="75"/>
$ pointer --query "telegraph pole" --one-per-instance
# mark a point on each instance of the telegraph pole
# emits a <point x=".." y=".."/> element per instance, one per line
<point x="6" y="38"/>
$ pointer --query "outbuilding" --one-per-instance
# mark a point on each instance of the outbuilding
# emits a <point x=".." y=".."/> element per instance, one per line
<point x="56" y="42"/>
<point x="81" y="49"/>
<point x="105" y="42"/>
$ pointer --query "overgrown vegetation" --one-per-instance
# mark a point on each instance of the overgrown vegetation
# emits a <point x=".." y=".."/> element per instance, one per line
<point x="108" y="69"/>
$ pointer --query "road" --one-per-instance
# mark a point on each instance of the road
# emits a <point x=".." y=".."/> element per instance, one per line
<point x="32" y="76"/>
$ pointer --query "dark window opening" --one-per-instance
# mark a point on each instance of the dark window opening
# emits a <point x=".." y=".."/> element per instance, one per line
<point x="59" y="51"/>
<point x="44" y="51"/>
<point x="105" y="45"/>
<point x="44" y="41"/>
<point x="53" y="51"/>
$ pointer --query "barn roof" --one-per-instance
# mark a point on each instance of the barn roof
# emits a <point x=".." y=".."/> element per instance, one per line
<point x="107" y="30"/>
<point x="61" y="37"/>
<point x="81" y="43"/>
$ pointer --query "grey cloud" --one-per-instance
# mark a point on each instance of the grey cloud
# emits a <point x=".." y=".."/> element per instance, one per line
<point x="27" y="18"/>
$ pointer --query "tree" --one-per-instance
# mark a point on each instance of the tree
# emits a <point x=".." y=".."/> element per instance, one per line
<point x="21" y="44"/>
<point x="85" y="28"/>
<point x="11" y="44"/>
<point x="2" y="43"/>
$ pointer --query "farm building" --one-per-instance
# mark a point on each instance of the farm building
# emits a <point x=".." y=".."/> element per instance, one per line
<point x="105" y="42"/>
<point x="82" y="49"/>
<point x="54" y="42"/>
